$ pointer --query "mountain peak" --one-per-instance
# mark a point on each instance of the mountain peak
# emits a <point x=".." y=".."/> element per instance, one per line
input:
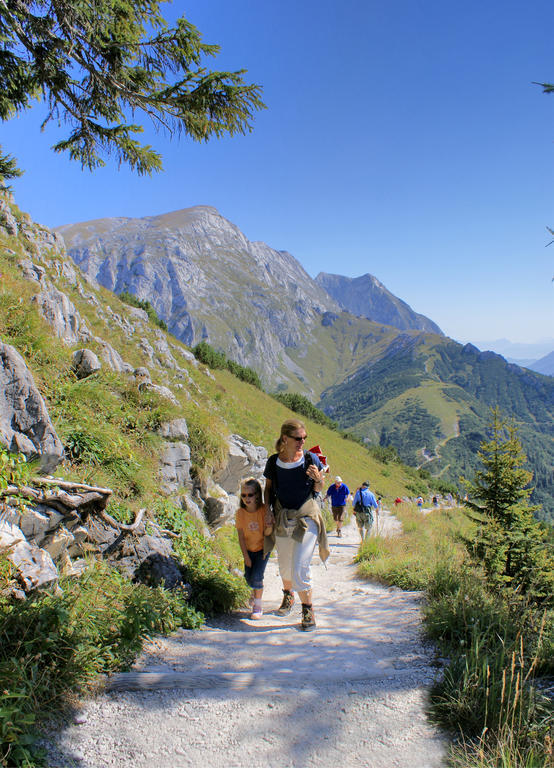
<point x="366" y="296"/>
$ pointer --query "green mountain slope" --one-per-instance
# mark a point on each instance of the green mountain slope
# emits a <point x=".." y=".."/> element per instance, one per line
<point x="430" y="398"/>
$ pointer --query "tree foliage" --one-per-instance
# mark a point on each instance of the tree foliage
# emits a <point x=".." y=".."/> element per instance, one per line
<point x="97" y="65"/>
<point x="510" y="543"/>
<point x="217" y="360"/>
<point x="300" y="404"/>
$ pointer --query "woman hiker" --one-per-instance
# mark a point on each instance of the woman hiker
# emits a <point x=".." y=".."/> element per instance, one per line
<point x="293" y="476"/>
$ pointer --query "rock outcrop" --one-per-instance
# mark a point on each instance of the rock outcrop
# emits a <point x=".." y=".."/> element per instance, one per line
<point x="25" y="425"/>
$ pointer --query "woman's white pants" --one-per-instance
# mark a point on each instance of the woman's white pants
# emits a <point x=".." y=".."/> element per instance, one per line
<point x="295" y="557"/>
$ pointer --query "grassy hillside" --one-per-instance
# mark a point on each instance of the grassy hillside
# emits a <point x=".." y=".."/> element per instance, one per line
<point x="431" y="400"/>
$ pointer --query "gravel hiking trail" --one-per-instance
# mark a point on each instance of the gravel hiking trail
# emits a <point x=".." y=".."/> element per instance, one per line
<point x="241" y="693"/>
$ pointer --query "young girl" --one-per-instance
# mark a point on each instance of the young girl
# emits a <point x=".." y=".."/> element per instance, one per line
<point x="253" y="521"/>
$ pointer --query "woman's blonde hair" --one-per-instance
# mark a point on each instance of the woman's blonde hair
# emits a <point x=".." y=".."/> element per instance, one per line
<point x="251" y="482"/>
<point x="287" y="428"/>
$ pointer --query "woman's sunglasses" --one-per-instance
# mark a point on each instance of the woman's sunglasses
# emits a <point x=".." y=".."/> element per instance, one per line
<point x="247" y="495"/>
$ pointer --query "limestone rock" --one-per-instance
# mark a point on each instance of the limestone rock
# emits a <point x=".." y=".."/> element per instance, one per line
<point x="60" y="313"/>
<point x="243" y="460"/>
<point x="34" y="565"/>
<point x="112" y="357"/>
<point x="176" y="429"/>
<point x="175" y="466"/>
<point x="85" y="363"/>
<point x="220" y="510"/>
<point x="7" y="219"/>
<point x="57" y="543"/>
<point x="25" y="425"/>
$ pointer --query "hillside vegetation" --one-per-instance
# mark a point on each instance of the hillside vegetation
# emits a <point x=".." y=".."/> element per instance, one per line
<point x="51" y="644"/>
<point x="431" y="401"/>
<point x="418" y="392"/>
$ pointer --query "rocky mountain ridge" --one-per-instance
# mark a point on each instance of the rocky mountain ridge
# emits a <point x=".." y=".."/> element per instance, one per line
<point x="207" y="281"/>
<point x="367" y="297"/>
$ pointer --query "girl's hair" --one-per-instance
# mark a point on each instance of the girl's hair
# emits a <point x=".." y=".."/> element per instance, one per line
<point x="287" y="428"/>
<point x="254" y="484"/>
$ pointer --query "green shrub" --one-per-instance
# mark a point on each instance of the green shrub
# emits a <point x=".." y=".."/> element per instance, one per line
<point x="216" y="586"/>
<point x="51" y="644"/>
<point x="128" y="298"/>
<point x="217" y="360"/>
<point x="300" y="404"/>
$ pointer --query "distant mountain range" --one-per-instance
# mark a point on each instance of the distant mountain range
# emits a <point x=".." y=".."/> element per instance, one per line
<point x="537" y="357"/>
<point x="382" y="371"/>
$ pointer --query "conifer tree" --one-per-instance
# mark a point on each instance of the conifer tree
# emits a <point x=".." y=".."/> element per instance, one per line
<point x="98" y="64"/>
<point x="510" y="543"/>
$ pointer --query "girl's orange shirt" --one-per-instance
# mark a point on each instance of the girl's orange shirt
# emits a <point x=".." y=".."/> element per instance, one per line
<point x="252" y="525"/>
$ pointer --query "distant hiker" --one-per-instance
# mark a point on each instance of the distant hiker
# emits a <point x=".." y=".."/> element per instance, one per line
<point x="364" y="502"/>
<point x="419" y="502"/>
<point x="253" y="522"/>
<point x="293" y="476"/>
<point x="435" y="501"/>
<point x="397" y="501"/>
<point x="338" y="493"/>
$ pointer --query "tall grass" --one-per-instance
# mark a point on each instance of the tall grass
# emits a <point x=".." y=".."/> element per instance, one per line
<point x="495" y="644"/>
<point x="52" y="644"/>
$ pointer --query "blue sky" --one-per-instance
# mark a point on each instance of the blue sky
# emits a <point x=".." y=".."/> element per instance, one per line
<point x="402" y="138"/>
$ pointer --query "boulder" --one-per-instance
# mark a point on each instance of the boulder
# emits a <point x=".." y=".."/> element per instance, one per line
<point x="85" y="363"/>
<point x="243" y="460"/>
<point x="36" y="522"/>
<point x="25" y="425"/>
<point x="157" y="569"/>
<point x="34" y="565"/>
<point x="176" y="429"/>
<point x="220" y="510"/>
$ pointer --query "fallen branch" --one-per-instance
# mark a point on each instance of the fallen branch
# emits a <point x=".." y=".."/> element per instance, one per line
<point x="69" y="485"/>
<point x="109" y="520"/>
<point x="164" y="531"/>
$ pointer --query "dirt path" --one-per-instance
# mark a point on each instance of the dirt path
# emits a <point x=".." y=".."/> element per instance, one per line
<point x="241" y="693"/>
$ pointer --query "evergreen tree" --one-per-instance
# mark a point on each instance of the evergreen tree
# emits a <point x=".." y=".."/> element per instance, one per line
<point x="98" y="64"/>
<point x="510" y="543"/>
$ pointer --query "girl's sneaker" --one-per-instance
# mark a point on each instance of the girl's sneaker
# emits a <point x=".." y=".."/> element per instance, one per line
<point x="257" y="612"/>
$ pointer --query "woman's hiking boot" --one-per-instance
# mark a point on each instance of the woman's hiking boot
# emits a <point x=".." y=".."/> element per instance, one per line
<point x="286" y="606"/>
<point x="308" y="620"/>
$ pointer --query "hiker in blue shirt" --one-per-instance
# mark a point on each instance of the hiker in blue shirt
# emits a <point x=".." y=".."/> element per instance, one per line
<point x="338" y="493"/>
<point x="364" y="502"/>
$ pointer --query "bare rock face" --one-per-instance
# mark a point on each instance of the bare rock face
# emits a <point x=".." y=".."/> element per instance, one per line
<point x="366" y="296"/>
<point x="25" y="425"/>
<point x="206" y="280"/>
<point x="61" y="314"/>
<point x="244" y="459"/>
<point x="174" y="466"/>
